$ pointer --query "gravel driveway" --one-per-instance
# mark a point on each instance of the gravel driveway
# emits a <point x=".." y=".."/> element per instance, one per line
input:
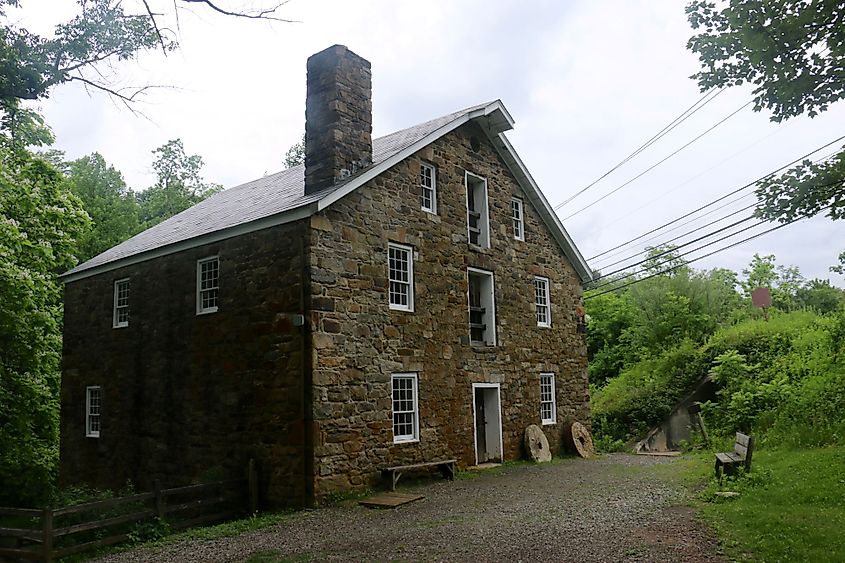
<point x="615" y="508"/>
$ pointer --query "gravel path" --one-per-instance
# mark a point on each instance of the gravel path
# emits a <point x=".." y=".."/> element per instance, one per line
<point x="616" y="508"/>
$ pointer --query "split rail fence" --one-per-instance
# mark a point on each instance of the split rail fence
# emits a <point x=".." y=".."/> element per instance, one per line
<point x="50" y="533"/>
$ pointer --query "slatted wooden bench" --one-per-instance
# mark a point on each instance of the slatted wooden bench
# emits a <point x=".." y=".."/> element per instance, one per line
<point x="446" y="467"/>
<point x="726" y="462"/>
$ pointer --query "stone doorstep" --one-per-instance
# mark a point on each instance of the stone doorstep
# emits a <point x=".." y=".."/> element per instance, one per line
<point x="483" y="466"/>
<point x="389" y="500"/>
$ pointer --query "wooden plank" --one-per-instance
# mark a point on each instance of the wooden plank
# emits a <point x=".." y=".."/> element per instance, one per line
<point x="109" y="503"/>
<point x="91" y="545"/>
<point x="217" y="517"/>
<point x="19" y="532"/>
<point x="740" y="450"/>
<point x="104" y="523"/>
<point x="389" y="500"/>
<point x="47" y="538"/>
<point x="10" y="553"/>
<point x="200" y="487"/>
<point x="742" y="439"/>
<point x="207" y="501"/>
<point x="418" y="465"/>
<point x="9" y="511"/>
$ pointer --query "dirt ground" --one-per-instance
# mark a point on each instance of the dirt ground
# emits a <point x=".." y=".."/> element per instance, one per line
<point x="614" y="508"/>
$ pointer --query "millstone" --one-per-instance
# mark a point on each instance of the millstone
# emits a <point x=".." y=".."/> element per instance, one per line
<point x="537" y="445"/>
<point x="578" y="440"/>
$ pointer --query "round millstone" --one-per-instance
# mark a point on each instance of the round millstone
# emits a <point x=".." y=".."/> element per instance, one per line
<point x="537" y="445"/>
<point x="578" y="440"/>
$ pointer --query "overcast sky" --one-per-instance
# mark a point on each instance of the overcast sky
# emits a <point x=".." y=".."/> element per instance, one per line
<point x="586" y="82"/>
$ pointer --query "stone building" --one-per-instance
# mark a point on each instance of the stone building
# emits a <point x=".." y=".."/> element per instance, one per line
<point x="395" y="300"/>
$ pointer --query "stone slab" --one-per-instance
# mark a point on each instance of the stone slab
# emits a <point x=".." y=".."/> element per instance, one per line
<point x="389" y="500"/>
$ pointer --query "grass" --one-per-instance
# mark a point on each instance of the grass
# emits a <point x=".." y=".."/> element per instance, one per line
<point x="791" y="507"/>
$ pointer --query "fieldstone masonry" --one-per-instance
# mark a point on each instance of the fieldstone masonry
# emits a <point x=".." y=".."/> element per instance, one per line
<point x="358" y="342"/>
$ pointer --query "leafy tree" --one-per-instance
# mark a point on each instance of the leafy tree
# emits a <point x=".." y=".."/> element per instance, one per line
<point x="82" y="49"/>
<point x="793" y="52"/>
<point x="112" y="206"/>
<point x="39" y="221"/>
<point x="296" y="154"/>
<point x="821" y="296"/>
<point x="178" y="186"/>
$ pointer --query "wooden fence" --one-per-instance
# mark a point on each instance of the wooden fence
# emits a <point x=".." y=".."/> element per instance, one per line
<point x="49" y="533"/>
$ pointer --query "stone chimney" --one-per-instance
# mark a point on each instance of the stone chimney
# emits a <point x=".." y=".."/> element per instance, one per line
<point x="338" y="117"/>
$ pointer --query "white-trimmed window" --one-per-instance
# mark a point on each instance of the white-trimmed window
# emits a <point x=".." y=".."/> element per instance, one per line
<point x="543" y="302"/>
<point x="482" y="307"/>
<point x="406" y="427"/>
<point x="400" y="267"/>
<point x="517" y="217"/>
<point x="92" y="411"/>
<point x="478" y="221"/>
<point x="428" y="188"/>
<point x="208" y="279"/>
<point x="548" y="406"/>
<point x="120" y="315"/>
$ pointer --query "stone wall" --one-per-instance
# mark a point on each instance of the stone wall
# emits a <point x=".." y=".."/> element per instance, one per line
<point x="189" y="397"/>
<point x="358" y="341"/>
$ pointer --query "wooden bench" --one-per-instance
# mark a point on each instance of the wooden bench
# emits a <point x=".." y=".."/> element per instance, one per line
<point x="743" y="448"/>
<point x="446" y="467"/>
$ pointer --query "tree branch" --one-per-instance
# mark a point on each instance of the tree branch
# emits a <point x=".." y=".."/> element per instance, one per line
<point x="267" y="14"/>
<point x="155" y="26"/>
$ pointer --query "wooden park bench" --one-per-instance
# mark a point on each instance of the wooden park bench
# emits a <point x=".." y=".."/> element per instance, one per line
<point x="728" y="461"/>
<point x="446" y="467"/>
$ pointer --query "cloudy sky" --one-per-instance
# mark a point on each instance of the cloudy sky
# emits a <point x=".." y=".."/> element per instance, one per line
<point x="587" y="83"/>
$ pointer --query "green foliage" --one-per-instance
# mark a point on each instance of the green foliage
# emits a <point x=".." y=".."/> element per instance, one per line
<point x="112" y="206"/>
<point x="791" y="507"/>
<point x="296" y="154"/>
<point x="178" y="186"/>
<point x="150" y="531"/>
<point x="39" y="221"/>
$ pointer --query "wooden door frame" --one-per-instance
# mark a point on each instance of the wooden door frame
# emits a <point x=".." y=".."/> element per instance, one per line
<point x="498" y="389"/>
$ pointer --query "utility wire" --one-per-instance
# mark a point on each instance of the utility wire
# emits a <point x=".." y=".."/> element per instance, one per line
<point x="638" y="280"/>
<point x="692" y="231"/>
<point x="703" y="246"/>
<point x="686" y="114"/>
<point x="659" y="162"/>
<point x="717" y="200"/>
<point x="687" y="222"/>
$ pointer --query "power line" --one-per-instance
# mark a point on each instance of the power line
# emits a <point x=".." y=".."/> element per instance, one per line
<point x="720" y="219"/>
<point x="687" y="222"/>
<point x="659" y="162"/>
<point x="687" y="262"/>
<point x="703" y="246"/>
<point x="717" y="200"/>
<point x="656" y="137"/>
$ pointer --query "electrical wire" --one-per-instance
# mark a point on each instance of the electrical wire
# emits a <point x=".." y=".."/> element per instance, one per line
<point x="656" y="137"/>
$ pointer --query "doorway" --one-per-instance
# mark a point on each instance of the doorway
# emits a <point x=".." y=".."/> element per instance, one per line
<point x="487" y="422"/>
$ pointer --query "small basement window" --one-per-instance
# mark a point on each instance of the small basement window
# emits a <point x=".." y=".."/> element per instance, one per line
<point x="482" y="308"/>
<point x="401" y="276"/>
<point x="92" y="411"/>
<point x="208" y="278"/>
<point x="548" y="406"/>
<point x="518" y="222"/>
<point x="542" y="299"/>
<point x="478" y="222"/>
<point x="405" y="407"/>
<point x="428" y="188"/>
<point x="120" y="314"/>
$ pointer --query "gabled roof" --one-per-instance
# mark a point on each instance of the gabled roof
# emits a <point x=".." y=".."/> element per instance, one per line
<point x="280" y="198"/>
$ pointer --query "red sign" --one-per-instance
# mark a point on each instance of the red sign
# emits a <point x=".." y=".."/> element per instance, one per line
<point x="761" y="297"/>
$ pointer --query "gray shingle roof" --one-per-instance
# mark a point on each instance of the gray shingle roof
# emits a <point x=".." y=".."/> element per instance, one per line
<point x="271" y="195"/>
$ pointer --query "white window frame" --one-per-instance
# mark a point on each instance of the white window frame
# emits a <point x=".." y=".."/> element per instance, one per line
<point x="433" y="187"/>
<point x="518" y="218"/>
<point x="410" y="283"/>
<point x="483" y="211"/>
<point x="90" y="416"/>
<point x="547" y="380"/>
<point x="547" y="306"/>
<point x="200" y="309"/>
<point x="118" y="308"/>
<point x="490" y="313"/>
<point x="414" y="436"/>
